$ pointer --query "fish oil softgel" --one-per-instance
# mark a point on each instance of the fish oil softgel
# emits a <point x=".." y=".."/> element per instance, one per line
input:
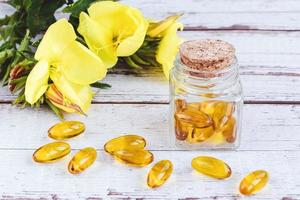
<point x="211" y="122"/>
<point x="82" y="160"/>
<point x="66" y="130"/>
<point x="254" y="182"/>
<point x="130" y="150"/>
<point x="125" y="142"/>
<point x="212" y="167"/>
<point x="159" y="173"/>
<point x="51" y="152"/>
<point x="134" y="157"/>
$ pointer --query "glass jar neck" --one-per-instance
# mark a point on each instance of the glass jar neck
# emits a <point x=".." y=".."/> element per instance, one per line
<point x="206" y="80"/>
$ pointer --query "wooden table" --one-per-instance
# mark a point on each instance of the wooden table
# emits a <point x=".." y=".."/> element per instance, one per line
<point x="266" y="34"/>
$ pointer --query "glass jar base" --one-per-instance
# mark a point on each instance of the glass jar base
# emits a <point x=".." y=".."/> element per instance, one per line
<point x="206" y="146"/>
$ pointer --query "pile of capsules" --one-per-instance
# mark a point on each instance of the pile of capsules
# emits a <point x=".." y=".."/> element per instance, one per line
<point x="209" y="121"/>
<point x="130" y="150"/>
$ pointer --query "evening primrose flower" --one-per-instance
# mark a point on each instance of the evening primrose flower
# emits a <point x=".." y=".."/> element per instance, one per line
<point x="112" y="30"/>
<point x="70" y="65"/>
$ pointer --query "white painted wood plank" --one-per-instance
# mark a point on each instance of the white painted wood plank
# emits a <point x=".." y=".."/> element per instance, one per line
<point x="228" y="14"/>
<point x="22" y="178"/>
<point x="215" y="14"/>
<point x="265" y="127"/>
<point x="269" y="70"/>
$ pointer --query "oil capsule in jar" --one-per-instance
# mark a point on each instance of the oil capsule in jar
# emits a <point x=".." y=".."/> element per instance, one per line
<point x="125" y="142"/>
<point x="51" y="152"/>
<point x="134" y="157"/>
<point x="212" y="167"/>
<point x="66" y="130"/>
<point x="82" y="160"/>
<point x="159" y="173"/>
<point x="254" y="182"/>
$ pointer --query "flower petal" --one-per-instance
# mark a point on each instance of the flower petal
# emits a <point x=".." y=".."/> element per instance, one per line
<point x="80" y="95"/>
<point x="37" y="82"/>
<point x="80" y="65"/>
<point x="127" y="24"/>
<point x="56" y="38"/>
<point x="131" y="44"/>
<point x="168" y="48"/>
<point x="99" y="39"/>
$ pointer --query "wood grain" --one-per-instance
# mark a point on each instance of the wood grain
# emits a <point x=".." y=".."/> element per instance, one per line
<point x="225" y="15"/>
<point x="108" y="179"/>
<point x="269" y="70"/>
<point x="265" y="127"/>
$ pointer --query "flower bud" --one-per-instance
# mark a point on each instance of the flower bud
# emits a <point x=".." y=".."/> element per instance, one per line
<point x="57" y="99"/>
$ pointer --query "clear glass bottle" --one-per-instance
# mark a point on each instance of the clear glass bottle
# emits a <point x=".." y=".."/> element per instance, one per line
<point x="206" y="106"/>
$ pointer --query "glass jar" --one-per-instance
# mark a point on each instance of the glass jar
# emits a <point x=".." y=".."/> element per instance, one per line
<point x="206" y="105"/>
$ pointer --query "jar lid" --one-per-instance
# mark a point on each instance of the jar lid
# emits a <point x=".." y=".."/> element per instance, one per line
<point x="207" y="54"/>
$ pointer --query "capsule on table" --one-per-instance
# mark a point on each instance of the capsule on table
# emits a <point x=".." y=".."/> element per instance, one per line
<point x="229" y="130"/>
<point x="51" y="152"/>
<point x="159" y="173"/>
<point x="65" y="130"/>
<point x="212" y="167"/>
<point x="196" y="118"/>
<point x="200" y="134"/>
<point x="134" y="157"/>
<point x="82" y="160"/>
<point x="254" y="182"/>
<point x="125" y="142"/>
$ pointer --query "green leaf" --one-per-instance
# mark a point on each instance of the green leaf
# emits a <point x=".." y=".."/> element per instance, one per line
<point x="76" y="8"/>
<point x="101" y="85"/>
<point x="40" y="14"/>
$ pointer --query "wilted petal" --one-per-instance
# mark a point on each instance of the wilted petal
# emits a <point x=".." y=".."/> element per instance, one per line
<point x="56" y="38"/>
<point x="99" y="39"/>
<point x="168" y="48"/>
<point x="37" y="82"/>
<point x="127" y="24"/>
<point x="80" y="95"/>
<point x="80" y="65"/>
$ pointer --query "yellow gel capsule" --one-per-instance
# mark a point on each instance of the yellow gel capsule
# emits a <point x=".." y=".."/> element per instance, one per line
<point x="82" y="160"/>
<point x="254" y="182"/>
<point x="229" y="130"/>
<point x="212" y="167"/>
<point x="218" y="110"/>
<point x="65" y="130"/>
<point x="200" y="134"/>
<point x="159" y="173"/>
<point x="180" y="104"/>
<point x="183" y="129"/>
<point x="51" y="152"/>
<point x="193" y="106"/>
<point x="125" y="142"/>
<point x="134" y="157"/>
<point x="196" y="118"/>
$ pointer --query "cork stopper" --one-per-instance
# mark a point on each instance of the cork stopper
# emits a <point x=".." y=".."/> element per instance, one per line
<point x="207" y="55"/>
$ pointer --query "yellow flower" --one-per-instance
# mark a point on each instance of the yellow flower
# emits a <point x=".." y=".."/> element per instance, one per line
<point x="112" y="30"/>
<point x="168" y="46"/>
<point x="70" y="65"/>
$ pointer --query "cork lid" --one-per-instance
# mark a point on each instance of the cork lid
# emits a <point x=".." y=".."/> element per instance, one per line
<point x="207" y="54"/>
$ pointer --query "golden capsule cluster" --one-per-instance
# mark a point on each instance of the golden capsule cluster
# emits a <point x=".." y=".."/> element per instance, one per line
<point x="216" y="168"/>
<point x="131" y="149"/>
<point x="208" y="121"/>
<point x="56" y="150"/>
